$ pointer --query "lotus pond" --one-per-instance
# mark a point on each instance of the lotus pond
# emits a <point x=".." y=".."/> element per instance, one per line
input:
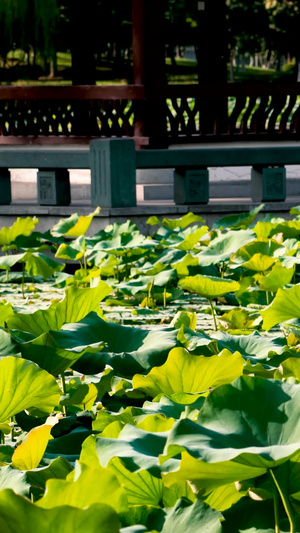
<point x="150" y="384"/>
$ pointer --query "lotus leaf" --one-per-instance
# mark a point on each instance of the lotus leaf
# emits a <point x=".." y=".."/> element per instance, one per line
<point x="74" y="226"/>
<point x="26" y="517"/>
<point x="252" y="420"/>
<point x="284" y="306"/>
<point x="76" y="489"/>
<point x="76" y="304"/>
<point x="22" y="226"/>
<point x="183" y="372"/>
<point x="208" y="286"/>
<point x="28" y="455"/>
<point x="23" y="385"/>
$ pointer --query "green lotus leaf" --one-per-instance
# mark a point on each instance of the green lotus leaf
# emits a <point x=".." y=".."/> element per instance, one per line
<point x="191" y="238"/>
<point x="182" y="266"/>
<point x="8" y="261"/>
<point x="208" y="286"/>
<point x="76" y="489"/>
<point x="224" y="497"/>
<point x="74" y="226"/>
<point x="259" y="262"/>
<point x="21" y="516"/>
<point x="266" y="247"/>
<point x="221" y="248"/>
<point x="7" y="344"/>
<point x="207" y="477"/>
<point x="141" y="487"/>
<point x="254" y="346"/>
<point x="242" y="220"/>
<point x="232" y="425"/>
<point x="142" y="283"/>
<point x="286" y="305"/>
<point x="197" y="342"/>
<point x="173" y="223"/>
<point x="22" y="226"/>
<point x="240" y="319"/>
<point x="76" y="304"/>
<point x="6" y="310"/>
<point x="68" y="445"/>
<point x="14" y="479"/>
<point x="290" y="368"/>
<point x="23" y="385"/>
<point x="183" y="372"/>
<point x="73" y="251"/>
<point x="138" y="449"/>
<point x="187" y="518"/>
<point x="277" y="278"/>
<point x="130" y="350"/>
<point x="59" y="468"/>
<point x="38" y="264"/>
<point x="47" y="353"/>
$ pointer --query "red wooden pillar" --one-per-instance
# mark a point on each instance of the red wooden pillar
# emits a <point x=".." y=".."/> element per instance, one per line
<point x="149" y="68"/>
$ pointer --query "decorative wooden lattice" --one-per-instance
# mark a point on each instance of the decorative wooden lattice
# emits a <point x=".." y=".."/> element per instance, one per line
<point x="62" y="118"/>
<point x="250" y="116"/>
<point x="178" y="114"/>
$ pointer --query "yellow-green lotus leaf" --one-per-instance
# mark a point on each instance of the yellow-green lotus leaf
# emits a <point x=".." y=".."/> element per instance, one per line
<point x="29" y="454"/>
<point x="183" y="372"/>
<point x="286" y="305"/>
<point x="259" y="262"/>
<point x="209" y="287"/>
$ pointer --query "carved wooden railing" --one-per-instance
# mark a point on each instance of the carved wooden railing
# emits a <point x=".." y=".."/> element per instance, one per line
<point x="67" y="114"/>
<point x="181" y="113"/>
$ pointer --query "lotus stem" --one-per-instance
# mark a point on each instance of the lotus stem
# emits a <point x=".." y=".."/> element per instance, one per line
<point x="23" y="280"/>
<point x="213" y="315"/>
<point x="268" y="297"/>
<point x="286" y="503"/>
<point x="64" y="388"/>
<point x="165" y="297"/>
<point x="2" y="438"/>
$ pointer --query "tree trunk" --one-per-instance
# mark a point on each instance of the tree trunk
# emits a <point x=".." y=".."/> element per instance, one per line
<point x="83" y="28"/>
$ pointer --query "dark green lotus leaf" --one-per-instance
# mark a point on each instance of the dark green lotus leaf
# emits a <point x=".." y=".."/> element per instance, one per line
<point x="76" y="304"/>
<point x="222" y="247"/>
<point x="187" y="518"/>
<point x="14" y="479"/>
<point x="252" y="420"/>
<point x="248" y="516"/>
<point x="46" y="352"/>
<point x="59" y="468"/>
<point x="67" y="446"/>
<point x="19" y="515"/>
<point x="254" y="346"/>
<point x="130" y="350"/>
<point x="242" y="220"/>
<point x="142" y="283"/>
